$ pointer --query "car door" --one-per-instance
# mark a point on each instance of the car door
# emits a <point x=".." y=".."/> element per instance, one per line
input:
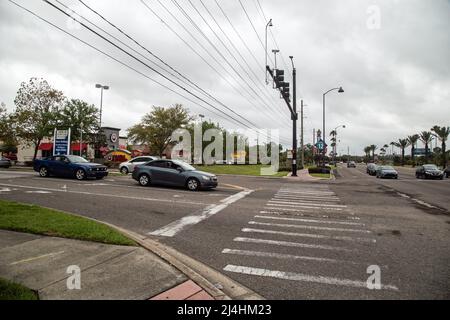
<point x="157" y="169"/>
<point x="176" y="176"/>
<point x="56" y="166"/>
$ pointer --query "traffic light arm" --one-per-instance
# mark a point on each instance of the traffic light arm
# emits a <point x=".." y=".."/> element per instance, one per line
<point x="293" y="114"/>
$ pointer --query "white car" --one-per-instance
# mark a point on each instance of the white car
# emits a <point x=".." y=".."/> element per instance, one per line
<point x="127" y="167"/>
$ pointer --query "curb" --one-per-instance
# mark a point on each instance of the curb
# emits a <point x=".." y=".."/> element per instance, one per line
<point x="224" y="289"/>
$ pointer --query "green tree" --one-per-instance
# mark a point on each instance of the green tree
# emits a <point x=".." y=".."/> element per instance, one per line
<point x="373" y="148"/>
<point x="37" y="105"/>
<point x="367" y="152"/>
<point x="7" y="131"/>
<point x="442" y="133"/>
<point x="156" y="127"/>
<point x="425" y="137"/>
<point x="77" y="114"/>
<point x="412" y="140"/>
<point x="402" y="144"/>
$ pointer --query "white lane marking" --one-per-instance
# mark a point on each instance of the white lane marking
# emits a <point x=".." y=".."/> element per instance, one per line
<point x="299" y="226"/>
<point x="423" y="203"/>
<point x="291" y="208"/>
<point x="307" y="198"/>
<point x="306" y="201"/>
<point x="175" y="227"/>
<point x="308" y="235"/>
<point x="278" y="255"/>
<point x="313" y="221"/>
<point x="5" y="190"/>
<point x="306" y="191"/>
<point x="106" y="195"/>
<point x="39" y="192"/>
<point x="302" y="277"/>
<point x="309" y="203"/>
<point x="290" y="244"/>
<point x="49" y="255"/>
<point x="308" y="215"/>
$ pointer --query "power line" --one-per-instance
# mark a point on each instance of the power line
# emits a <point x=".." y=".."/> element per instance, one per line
<point x="137" y="59"/>
<point x="144" y="48"/>
<point x="256" y="95"/>
<point x="286" y="65"/>
<point x="195" y="39"/>
<point x="231" y="54"/>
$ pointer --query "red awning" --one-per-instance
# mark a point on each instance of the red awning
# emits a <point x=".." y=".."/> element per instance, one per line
<point x="76" y="146"/>
<point x="46" y="146"/>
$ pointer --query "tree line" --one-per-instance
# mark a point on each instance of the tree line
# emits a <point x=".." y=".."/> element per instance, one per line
<point x="440" y="133"/>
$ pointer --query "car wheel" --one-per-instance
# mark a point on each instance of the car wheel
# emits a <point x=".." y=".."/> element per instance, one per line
<point x="80" y="174"/>
<point x="124" y="170"/>
<point x="144" y="180"/>
<point x="193" y="184"/>
<point x="43" y="172"/>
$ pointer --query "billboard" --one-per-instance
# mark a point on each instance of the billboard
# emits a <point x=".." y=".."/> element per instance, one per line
<point x="61" y="145"/>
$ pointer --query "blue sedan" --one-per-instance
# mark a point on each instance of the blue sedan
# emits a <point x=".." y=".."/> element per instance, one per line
<point x="70" y="167"/>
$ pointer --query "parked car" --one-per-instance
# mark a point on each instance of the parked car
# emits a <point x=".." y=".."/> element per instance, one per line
<point x="386" y="172"/>
<point x="5" y="163"/>
<point x="351" y="164"/>
<point x="372" y="169"/>
<point x="128" y="166"/>
<point x="429" y="171"/>
<point x="70" y="167"/>
<point x="174" y="173"/>
<point x="447" y="172"/>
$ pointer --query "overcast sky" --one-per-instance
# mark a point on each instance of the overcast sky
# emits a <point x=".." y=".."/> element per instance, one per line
<point x="395" y="70"/>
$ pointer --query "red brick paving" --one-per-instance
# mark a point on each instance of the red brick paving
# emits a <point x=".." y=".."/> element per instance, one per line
<point x="188" y="290"/>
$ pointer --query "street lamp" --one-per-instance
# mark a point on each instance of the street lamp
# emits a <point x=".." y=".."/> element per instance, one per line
<point x="340" y="90"/>
<point x="81" y="139"/>
<point x="269" y="24"/>
<point x="102" y="87"/>
<point x="335" y="146"/>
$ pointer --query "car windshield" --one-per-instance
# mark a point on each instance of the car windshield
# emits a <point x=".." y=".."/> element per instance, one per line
<point x="77" y="159"/>
<point x="184" y="165"/>
<point x="430" y="167"/>
<point x="387" y="168"/>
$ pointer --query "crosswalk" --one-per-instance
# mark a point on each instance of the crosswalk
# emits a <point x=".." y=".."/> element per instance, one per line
<point x="300" y="231"/>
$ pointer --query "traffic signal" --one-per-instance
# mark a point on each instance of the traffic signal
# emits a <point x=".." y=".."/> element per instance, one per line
<point x="279" y="78"/>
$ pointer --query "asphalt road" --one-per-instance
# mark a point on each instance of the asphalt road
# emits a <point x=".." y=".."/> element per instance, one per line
<point x="282" y="238"/>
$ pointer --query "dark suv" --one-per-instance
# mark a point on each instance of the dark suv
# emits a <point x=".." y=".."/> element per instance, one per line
<point x="429" y="171"/>
<point x="372" y="169"/>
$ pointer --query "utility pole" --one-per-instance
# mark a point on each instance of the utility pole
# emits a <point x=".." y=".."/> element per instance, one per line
<point x="302" y="142"/>
<point x="294" y="118"/>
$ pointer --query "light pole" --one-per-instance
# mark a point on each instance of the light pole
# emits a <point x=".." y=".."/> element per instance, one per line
<point x="294" y="118"/>
<point x="81" y="139"/>
<point x="102" y="87"/>
<point x="335" y="143"/>
<point x="340" y="90"/>
<point x="269" y="24"/>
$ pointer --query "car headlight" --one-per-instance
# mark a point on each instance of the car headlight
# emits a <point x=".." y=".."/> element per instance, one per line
<point x="206" y="178"/>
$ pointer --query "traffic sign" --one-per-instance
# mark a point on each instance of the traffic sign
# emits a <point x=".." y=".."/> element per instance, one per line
<point x="321" y="145"/>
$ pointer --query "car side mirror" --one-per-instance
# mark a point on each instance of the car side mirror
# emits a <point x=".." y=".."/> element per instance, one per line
<point x="180" y="170"/>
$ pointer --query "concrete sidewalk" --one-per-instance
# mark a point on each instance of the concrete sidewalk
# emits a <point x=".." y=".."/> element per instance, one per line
<point x="107" y="271"/>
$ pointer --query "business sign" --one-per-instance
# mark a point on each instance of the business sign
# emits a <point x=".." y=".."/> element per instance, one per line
<point x="420" y="152"/>
<point x="61" y="145"/>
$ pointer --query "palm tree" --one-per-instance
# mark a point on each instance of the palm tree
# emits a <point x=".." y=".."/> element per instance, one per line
<point x="426" y="136"/>
<point x="412" y="140"/>
<point x="402" y="144"/>
<point x="373" y="148"/>
<point x="442" y="133"/>
<point x="367" y="151"/>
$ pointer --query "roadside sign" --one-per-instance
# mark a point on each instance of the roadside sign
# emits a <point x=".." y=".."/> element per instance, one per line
<point x="420" y="152"/>
<point x="290" y="154"/>
<point x="61" y="145"/>
<point x="321" y="145"/>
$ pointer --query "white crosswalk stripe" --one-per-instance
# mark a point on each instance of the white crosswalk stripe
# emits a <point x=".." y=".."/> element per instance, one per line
<point x="314" y="215"/>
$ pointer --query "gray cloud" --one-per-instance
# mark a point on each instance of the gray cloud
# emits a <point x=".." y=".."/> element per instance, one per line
<point x="396" y="78"/>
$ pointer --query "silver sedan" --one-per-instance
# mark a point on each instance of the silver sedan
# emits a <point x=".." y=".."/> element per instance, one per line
<point x="128" y="166"/>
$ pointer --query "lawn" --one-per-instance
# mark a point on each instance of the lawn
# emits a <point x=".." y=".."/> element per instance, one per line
<point x="37" y="220"/>
<point x="320" y="175"/>
<point x="248" y="170"/>
<point x="13" y="291"/>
